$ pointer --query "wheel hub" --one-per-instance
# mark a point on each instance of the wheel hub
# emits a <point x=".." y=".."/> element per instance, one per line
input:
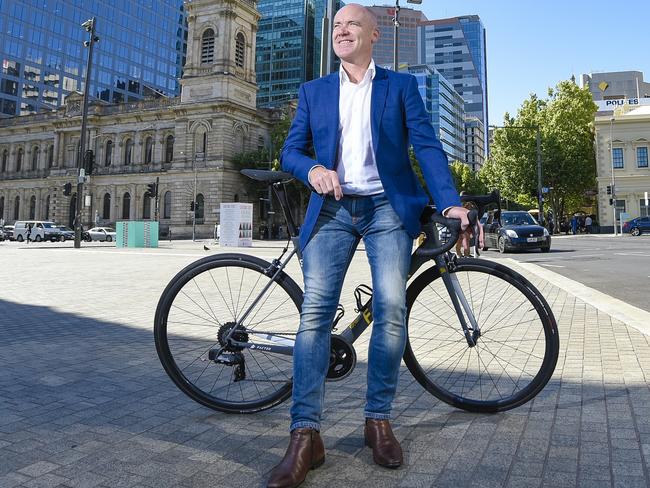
<point x="237" y="336"/>
<point x="343" y="359"/>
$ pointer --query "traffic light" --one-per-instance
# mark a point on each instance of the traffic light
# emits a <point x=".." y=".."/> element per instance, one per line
<point x="611" y="201"/>
<point x="609" y="189"/>
<point x="89" y="161"/>
<point x="192" y="206"/>
<point x="152" y="190"/>
<point x="67" y="189"/>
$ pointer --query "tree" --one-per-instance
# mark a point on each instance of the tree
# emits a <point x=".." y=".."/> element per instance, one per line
<point x="466" y="180"/>
<point x="565" y="120"/>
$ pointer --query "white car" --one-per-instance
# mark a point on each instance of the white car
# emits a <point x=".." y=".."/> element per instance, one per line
<point x="102" y="234"/>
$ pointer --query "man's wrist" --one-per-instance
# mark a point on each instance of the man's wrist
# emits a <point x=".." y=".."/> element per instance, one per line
<point x="312" y="169"/>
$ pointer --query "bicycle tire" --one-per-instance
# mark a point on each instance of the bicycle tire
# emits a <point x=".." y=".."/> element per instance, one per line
<point x="197" y="297"/>
<point x="437" y="350"/>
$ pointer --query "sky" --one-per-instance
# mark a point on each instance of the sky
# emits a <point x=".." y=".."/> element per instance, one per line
<point x="532" y="45"/>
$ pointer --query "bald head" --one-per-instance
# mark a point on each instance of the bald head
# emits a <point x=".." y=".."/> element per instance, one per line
<point x="368" y="15"/>
<point x="354" y="33"/>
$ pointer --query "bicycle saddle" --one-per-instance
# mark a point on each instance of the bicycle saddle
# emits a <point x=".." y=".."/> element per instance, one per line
<point x="267" y="176"/>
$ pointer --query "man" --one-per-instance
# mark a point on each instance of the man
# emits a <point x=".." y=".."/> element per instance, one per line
<point x="588" y="223"/>
<point x="360" y="122"/>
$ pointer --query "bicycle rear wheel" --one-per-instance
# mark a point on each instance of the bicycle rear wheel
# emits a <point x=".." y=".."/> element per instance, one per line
<point x="200" y="307"/>
<point x="515" y="355"/>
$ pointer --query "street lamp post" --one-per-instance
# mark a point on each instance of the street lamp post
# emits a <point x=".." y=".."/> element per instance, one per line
<point x="194" y="197"/>
<point x="396" y="26"/>
<point x="611" y="154"/>
<point x="89" y="26"/>
<point x="538" y="149"/>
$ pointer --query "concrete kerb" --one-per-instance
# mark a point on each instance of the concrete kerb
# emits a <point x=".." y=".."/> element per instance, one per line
<point x="632" y="316"/>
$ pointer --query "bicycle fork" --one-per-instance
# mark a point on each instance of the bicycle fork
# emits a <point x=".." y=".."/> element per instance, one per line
<point x="464" y="311"/>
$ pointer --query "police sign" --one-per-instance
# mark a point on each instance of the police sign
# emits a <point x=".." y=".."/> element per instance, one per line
<point x="621" y="102"/>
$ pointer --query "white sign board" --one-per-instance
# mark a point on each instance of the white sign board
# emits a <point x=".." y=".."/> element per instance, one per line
<point x="236" y="228"/>
<point x="621" y="102"/>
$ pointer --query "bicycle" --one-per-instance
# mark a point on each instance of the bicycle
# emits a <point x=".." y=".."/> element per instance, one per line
<point x="480" y="336"/>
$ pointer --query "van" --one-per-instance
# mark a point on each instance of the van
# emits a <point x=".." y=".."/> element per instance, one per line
<point x="38" y="230"/>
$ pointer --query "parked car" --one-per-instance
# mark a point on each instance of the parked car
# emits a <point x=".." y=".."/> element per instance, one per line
<point x="8" y="231"/>
<point x="102" y="234"/>
<point x="2" y="234"/>
<point x="38" y="230"/>
<point x="68" y="233"/>
<point x="637" y="226"/>
<point x="514" y="230"/>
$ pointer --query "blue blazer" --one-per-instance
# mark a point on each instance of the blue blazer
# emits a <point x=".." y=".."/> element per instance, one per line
<point x="399" y="120"/>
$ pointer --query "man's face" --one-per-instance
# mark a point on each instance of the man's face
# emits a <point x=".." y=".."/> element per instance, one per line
<point x="354" y="34"/>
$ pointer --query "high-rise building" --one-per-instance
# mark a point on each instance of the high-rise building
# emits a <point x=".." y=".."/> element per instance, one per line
<point x="616" y="85"/>
<point x="474" y="142"/>
<point x="140" y="53"/>
<point x="457" y="48"/>
<point x="445" y="108"/>
<point x="407" y="36"/>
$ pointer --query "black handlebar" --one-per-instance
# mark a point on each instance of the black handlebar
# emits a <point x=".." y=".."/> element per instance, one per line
<point x="454" y="227"/>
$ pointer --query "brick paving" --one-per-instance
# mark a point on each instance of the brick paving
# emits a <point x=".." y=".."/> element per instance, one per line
<point x="84" y="401"/>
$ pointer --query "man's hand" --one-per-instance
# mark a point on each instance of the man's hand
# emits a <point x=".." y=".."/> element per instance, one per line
<point x="466" y="230"/>
<point x="325" y="182"/>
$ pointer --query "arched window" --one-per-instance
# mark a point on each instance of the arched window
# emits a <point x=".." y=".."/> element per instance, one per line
<point x="200" y="207"/>
<point x="5" y="157"/>
<point x="108" y="153"/>
<point x="16" y="207"/>
<point x="204" y="143"/>
<point x="35" y="153"/>
<point x="167" y="205"/>
<point x="240" y="44"/>
<point x="106" y="209"/>
<point x="146" y="206"/>
<point x="148" y="150"/>
<point x="126" y="206"/>
<point x="169" y="149"/>
<point x="47" y="208"/>
<point x="32" y="208"/>
<point x="200" y="140"/>
<point x="207" y="47"/>
<point x="19" y="159"/>
<point x="128" y="152"/>
<point x="50" y="156"/>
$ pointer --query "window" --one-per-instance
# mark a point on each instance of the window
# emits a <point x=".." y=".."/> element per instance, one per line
<point x="19" y="159"/>
<point x="16" y="207"/>
<point x="148" y="150"/>
<point x="642" y="157"/>
<point x="645" y="209"/>
<point x="199" y="210"/>
<point x="35" y="152"/>
<point x="5" y="157"/>
<point x="617" y="157"/>
<point x="50" y="156"/>
<point x="167" y="205"/>
<point x="240" y="44"/>
<point x="32" y="208"/>
<point x="169" y="149"/>
<point x="146" y="206"/>
<point x="106" y="209"/>
<point x="126" y="206"/>
<point x="620" y="208"/>
<point x="47" y="208"/>
<point x="2" y="207"/>
<point x="207" y="47"/>
<point x="128" y="152"/>
<point x="108" y="153"/>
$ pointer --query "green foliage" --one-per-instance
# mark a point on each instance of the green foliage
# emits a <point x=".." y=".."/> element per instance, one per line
<point x="567" y="146"/>
<point x="252" y="159"/>
<point x="467" y="180"/>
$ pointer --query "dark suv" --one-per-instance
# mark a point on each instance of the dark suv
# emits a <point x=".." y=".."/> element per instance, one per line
<point x="514" y="230"/>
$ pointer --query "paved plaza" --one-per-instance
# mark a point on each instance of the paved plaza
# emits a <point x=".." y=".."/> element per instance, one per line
<point x="84" y="401"/>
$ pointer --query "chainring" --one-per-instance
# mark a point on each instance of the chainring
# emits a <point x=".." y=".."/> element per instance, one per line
<point x="343" y="359"/>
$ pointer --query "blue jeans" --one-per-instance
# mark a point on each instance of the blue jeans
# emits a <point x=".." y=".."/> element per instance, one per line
<point x="326" y="258"/>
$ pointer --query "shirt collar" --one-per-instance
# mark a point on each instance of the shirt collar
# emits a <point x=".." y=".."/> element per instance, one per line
<point x="370" y="73"/>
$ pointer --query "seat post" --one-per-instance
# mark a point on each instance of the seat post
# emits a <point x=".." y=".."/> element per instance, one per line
<point x="281" y="194"/>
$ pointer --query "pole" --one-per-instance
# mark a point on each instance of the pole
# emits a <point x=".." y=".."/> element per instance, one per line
<point x="540" y="197"/>
<point x="194" y="198"/>
<point x="611" y="154"/>
<point x="396" y="37"/>
<point x="156" y="208"/>
<point x="326" y="45"/>
<point x="89" y="25"/>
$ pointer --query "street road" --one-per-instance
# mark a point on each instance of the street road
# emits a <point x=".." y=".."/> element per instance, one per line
<point x="616" y="266"/>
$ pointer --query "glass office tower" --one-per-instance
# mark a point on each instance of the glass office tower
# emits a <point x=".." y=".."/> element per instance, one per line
<point x="407" y="36"/>
<point x="457" y="48"/>
<point x="445" y="108"/>
<point x="140" y="53"/>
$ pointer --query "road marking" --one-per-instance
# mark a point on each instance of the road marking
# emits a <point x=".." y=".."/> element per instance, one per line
<point x="630" y="315"/>
<point x="552" y="265"/>
<point x="635" y="254"/>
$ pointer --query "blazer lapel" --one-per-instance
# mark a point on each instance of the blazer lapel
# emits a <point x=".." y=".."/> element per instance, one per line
<point x="330" y="111"/>
<point x="377" y="102"/>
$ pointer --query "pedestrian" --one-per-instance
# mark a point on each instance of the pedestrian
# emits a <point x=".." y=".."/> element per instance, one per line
<point x="588" y="223"/>
<point x="29" y="233"/>
<point x="360" y="120"/>
<point x="574" y="225"/>
<point x="169" y="233"/>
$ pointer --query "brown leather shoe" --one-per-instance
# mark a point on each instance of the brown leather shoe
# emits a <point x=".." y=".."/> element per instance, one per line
<point x="306" y="451"/>
<point x="386" y="450"/>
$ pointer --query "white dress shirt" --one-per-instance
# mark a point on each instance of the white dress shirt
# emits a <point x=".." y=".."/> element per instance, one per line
<point x="356" y="165"/>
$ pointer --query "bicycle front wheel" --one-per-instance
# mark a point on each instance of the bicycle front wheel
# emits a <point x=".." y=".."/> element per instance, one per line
<point x="514" y="357"/>
<point x="197" y="313"/>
